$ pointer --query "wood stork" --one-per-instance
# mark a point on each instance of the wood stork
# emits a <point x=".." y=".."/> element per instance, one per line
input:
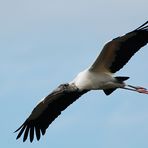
<point x="99" y="76"/>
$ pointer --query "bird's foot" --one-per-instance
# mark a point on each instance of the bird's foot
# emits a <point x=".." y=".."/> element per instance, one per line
<point x="142" y="90"/>
<point x="138" y="89"/>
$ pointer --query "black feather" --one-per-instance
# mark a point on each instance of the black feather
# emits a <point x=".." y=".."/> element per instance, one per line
<point x="109" y="91"/>
<point x="26" y="134"/>
<point x="137" y="39"/>
<point x="57" y="101"/>
<point x="31" y="133"/>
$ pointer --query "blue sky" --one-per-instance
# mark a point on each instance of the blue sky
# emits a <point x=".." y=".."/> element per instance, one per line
<point x="46" y="43"/>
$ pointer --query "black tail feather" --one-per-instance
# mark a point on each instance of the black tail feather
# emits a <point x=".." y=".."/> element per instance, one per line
<point x="119" y="79"/>
<point x="109" y="91"/>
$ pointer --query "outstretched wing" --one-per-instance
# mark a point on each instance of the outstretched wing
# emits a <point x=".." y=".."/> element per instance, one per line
<point x="47" y="110"/>
<point x="118" y="52"/>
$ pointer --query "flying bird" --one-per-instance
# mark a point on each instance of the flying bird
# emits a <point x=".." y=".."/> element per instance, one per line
<point x="99" y="76"/>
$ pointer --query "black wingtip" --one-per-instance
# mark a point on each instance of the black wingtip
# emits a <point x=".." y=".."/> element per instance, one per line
<point x="21" y="129"/>
<point x="18" y="128"/>
<point x="142" y="26"/>
<point x="37" y="130"/>
<point x="26" y="134"/>
<point x="21" y="132"/>
<point x="31" y="134"/>
<point x="43" y="131"/>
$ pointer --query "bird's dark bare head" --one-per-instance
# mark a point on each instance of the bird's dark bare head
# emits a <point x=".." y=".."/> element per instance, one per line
<point x="70" y="88"/>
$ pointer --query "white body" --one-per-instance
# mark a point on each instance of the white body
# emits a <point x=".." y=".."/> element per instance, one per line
<point x="91" y="80"/>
